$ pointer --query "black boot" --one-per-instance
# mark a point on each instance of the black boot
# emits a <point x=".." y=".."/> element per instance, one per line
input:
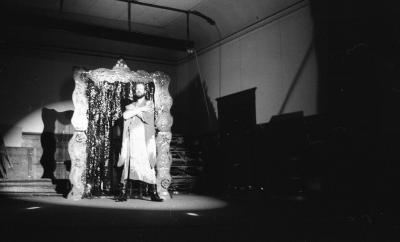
<point x="140" y="190"/>
<point x="123" y="195"/>
<point x="153" y="193"/>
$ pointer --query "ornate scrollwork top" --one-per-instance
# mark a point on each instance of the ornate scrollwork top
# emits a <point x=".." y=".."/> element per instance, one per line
<point x="120" y="72"/>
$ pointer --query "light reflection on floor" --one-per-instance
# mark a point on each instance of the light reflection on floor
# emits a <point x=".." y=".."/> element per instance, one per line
<point x="178" y="202"/>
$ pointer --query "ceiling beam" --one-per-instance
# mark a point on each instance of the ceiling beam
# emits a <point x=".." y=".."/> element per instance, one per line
<point x="43" y="22"/>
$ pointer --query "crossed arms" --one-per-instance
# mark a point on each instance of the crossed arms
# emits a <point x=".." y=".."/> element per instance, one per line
<point x="132" y="110"/>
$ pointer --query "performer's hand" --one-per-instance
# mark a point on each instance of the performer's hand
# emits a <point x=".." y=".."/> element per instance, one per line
<point x="126" y="115"/>
<point x="130" y="106"/>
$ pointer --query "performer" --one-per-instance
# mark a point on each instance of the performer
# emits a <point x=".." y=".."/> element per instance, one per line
<point x="138" y="151"/>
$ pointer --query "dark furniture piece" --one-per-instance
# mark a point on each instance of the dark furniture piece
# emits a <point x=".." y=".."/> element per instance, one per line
<point x="237" y="122"/>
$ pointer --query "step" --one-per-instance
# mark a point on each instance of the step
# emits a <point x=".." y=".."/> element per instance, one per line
<point x="26" y="182"/>
<point x="36" y="187"/>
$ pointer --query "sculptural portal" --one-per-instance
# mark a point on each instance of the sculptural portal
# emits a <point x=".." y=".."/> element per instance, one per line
<point x="97" y="98"/>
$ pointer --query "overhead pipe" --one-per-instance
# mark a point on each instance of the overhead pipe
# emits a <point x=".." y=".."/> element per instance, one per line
<point x="189" y="48"/>
<point x="197" y="13"/>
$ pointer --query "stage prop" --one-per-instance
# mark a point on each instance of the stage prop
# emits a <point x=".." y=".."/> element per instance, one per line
<point x="99" y="99"/>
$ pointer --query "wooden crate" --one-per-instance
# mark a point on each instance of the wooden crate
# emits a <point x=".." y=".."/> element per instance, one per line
<point x="22" y="164"/>
<point x="27" y="159"/>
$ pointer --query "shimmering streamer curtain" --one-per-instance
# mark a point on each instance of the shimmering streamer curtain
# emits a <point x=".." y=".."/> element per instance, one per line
<point x="105" y="101"/>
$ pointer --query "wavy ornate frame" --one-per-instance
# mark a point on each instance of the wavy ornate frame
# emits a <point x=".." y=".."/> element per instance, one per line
<point x="163" y="122"/>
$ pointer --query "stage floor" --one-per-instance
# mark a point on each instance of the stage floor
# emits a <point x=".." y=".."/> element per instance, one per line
<point x="186" y="217"/>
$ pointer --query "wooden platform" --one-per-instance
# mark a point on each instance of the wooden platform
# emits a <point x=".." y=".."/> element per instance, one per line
<point x="187" y="162"/>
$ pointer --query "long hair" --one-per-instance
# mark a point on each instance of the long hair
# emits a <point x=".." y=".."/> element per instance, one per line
<point x="149" y="93"/>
